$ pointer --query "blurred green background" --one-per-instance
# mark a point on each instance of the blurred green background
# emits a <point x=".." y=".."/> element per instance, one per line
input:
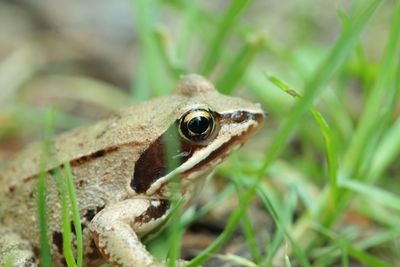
<point x="324" y="171"/>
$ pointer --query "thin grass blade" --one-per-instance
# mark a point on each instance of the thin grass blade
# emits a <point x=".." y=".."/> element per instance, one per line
<point x="223" y="28"/>
<point x="75" y="213"/>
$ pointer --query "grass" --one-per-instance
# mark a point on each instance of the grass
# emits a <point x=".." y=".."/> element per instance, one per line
<point x="68" y="200"/>
<point x="335" y="202"/>
<point x="335" y="197"/>
<point x="45" y="254"/>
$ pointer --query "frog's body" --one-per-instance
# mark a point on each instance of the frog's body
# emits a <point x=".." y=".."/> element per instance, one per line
<point x="120" y="174"/>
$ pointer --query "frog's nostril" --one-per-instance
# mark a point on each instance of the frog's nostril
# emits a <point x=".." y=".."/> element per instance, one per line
<point x="240" y="116"/>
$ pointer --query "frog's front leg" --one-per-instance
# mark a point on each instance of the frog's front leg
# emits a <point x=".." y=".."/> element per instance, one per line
<point x="117" y="229"/>
<point x="14" y="250"/>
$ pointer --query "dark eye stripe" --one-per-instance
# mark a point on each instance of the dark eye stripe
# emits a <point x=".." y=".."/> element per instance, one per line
<point x="152" y="164"/>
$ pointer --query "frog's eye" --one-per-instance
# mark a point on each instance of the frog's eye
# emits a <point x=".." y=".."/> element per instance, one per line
<point x="197" y="125"/>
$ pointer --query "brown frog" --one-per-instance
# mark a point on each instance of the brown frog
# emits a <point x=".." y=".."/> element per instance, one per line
<point x="120" y="173"/>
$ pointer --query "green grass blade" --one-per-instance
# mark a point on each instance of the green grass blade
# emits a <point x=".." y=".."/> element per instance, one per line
<point x="386" y="152"/>
<point x="152" y="76"/>
<point x="380" y="238"/>
<point x="353" y="251"/>
<point x="236" y="260"/>
<point x="375" y="213"/>
<point x="45" y="253"/>
<point x="276" y="242"/>
<point x="228" y="191"/>
<point x="190" y="20"/>
<point x="250" y="238"/>
<point x="45" y="257"/>
<point x="240" y="64"/>
<point x="66" y="226"/>
<point x="174" y="229"/>
<point x="172" y="67"/>
<point x="283" y="86"/>
<point x="330" y="150"/>
<point x="246" y="224"/>
<point x="326" y="133"/>
<point x="287" y="261"/>
<point x="384" y="197"/>
<point x="366" y="258"/>
<point x="175" y="235"/>
<point x="281" y="224"/>
<point x="345" y="258"/>
<point x="372" y="113"/>
<point x="223" y="28"/>
<point x="75" y="213"/>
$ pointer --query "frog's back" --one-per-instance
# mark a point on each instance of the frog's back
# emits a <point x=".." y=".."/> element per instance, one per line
<point x="134" y="126"/>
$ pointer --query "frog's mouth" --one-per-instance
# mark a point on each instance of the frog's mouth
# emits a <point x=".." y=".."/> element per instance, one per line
<point x="225" y="147"/>
<point x="199" y="161"/>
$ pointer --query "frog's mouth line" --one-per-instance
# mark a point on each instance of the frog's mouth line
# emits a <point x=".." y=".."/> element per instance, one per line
<point x="208" y="159"/>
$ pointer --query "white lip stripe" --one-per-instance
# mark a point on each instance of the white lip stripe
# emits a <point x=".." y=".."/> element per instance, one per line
<point x="225" y="135"/>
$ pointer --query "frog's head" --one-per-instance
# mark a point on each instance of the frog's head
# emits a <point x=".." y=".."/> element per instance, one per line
<point x="206" y="127"/>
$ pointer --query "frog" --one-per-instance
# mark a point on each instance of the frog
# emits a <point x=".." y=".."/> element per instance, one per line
<point x="121" y="175"/>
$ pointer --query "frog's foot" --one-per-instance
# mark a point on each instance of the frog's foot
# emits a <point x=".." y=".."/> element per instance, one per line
<point x="15" y="251"/>
<point x="178" y="263"/>
<point x="181" y="263"/>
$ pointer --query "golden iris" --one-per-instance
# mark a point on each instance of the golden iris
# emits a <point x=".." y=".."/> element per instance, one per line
<point x="196" y="125"/>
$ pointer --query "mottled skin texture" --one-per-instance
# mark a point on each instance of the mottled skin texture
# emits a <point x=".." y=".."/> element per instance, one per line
<point x="103" y="158"/>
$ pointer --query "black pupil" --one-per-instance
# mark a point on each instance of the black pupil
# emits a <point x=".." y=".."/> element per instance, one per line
<point x="198" y="125"/>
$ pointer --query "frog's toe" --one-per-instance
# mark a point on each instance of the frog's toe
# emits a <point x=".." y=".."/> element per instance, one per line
<point x="24" y="261"/>
<point x="178" y="263"/>
<point x="19" y="259"/>
<point x="181" y="263"/>
<point x="15" y="251"/>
